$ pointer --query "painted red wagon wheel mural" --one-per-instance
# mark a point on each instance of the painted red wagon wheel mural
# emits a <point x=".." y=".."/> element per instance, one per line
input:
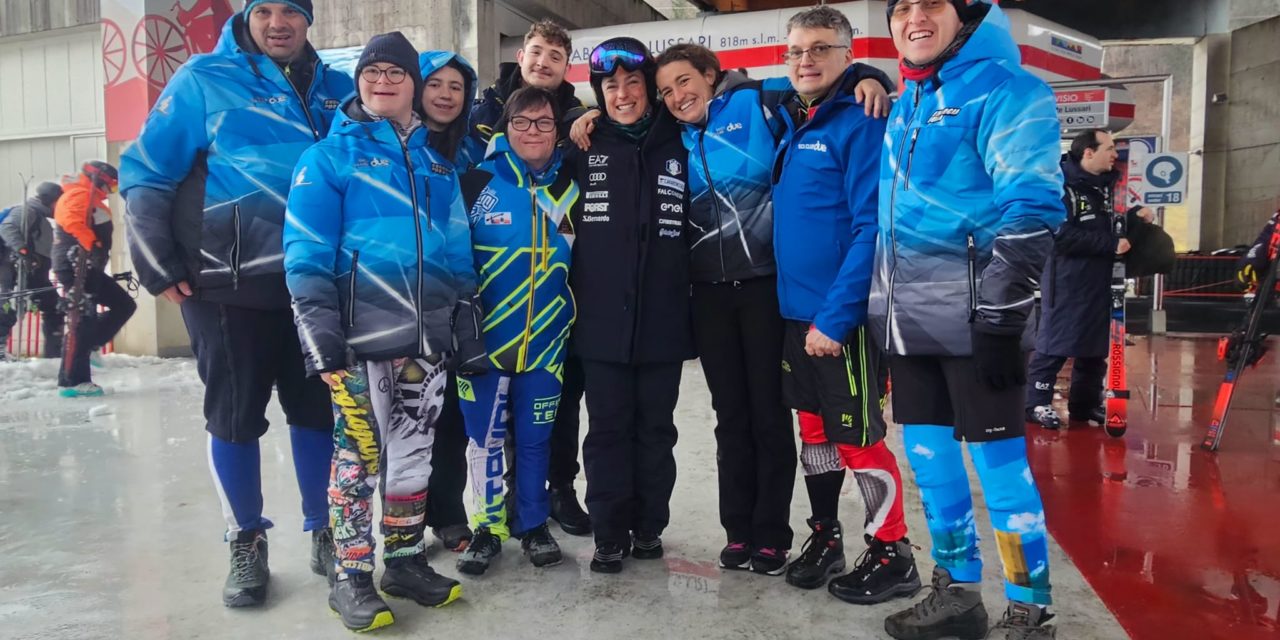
<point x="114" y="56"/>
<point x="158" y="49"/>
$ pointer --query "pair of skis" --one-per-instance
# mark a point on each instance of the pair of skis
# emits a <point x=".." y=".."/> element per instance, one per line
<point x="1243" y="348"/>
<point x="1117" y="393"/>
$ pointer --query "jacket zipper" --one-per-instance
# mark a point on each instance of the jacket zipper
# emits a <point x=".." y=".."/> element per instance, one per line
<point x="973" y="276"/>
<point x="893" y="228"/>
<point x="351" y="289"/>
<point x="306" y="111"/>
<point x="533" y="275"/>
<point x="911" y="154"/>
<point x="417" y="236"/>
<point x="235" y="247"/>
<point x="715" y="204"/>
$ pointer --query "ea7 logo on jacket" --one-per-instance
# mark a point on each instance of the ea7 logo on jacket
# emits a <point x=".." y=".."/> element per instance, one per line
<point x="595" y="161"/>
<point x="938" y="115"/>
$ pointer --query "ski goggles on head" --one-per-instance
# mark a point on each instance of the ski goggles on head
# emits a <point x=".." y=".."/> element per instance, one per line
<point x="627" y="53"/>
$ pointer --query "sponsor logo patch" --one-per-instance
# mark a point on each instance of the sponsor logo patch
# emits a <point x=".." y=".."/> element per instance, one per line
<point x="673" y="166"/>
<point x="813" y="146"/>
<point x="596" y="207"/>
<point x="595" y="218"/>
<point x="597" y="161"/>
<point x="597" y="195"/>
<point x="949" y="112"/>
<point x="497" y="218"/>
<point x="671" y="183"/>
<point x="330" y="104"/>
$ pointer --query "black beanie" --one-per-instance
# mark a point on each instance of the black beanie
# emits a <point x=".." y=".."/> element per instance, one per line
<point x="48" y="192"/>
<point x="394" y="48"/>
<point x="304" y="6"/>
<point x="967" y="9"/>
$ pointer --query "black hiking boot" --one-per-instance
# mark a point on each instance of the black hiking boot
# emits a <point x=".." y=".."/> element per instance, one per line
<point x="322" y="552"/>
<point x="541" y="547"/>
<point x="608" y="557"/>
<point x="821" y="556"/>
<point x="646" y="546"/>
<point x="246" y="584"/>
<point x="566" y="510"/>
<point x="483" y="548"/>
<point x="354" y="599"/>
<point x="413" y="578"/>
<point x="884" y="571"/>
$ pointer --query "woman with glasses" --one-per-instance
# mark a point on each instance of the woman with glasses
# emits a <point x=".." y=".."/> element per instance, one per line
<point x="519" y="203"/>
<point x="377" y="257"/>
<point x="631" y="279"/>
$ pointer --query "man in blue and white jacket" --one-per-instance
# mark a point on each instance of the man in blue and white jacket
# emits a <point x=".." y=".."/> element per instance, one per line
<point x="205" y="187"/>
<point x="970" y="195"/>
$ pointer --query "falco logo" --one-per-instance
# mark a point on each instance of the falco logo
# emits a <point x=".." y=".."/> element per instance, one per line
<point x="943" y="113"/>
<point x="301" y="179"/>
<point x="330" y="104"/>
<point x="673" y="167"/>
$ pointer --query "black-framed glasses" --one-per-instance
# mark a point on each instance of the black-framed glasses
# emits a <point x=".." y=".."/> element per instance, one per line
<point x="817" y="53"/>
<point x="395" y="75"/>
<point x="521" y="123"/>
<point x="931" y="7"/>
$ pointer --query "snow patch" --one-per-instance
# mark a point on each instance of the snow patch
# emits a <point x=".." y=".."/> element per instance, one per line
<point x="37" y="378"/>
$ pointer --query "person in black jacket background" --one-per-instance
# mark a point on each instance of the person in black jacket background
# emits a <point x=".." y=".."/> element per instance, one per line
<point x="1075" y="305"/>
<point x="630" y="278"/>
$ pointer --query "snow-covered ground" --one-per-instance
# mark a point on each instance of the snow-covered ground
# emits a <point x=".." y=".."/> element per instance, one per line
<point x="109" y="528"/>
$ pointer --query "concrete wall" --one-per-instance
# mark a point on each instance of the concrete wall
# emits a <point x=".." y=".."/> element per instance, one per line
<point x="1253" y="144"/>
<point x="29" y="16"/>
<point x="1247" y="12"/>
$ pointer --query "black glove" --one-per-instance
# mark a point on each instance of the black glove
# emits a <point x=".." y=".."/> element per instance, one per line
<point x="999" y="359"/>
<point x="469" y="356"/>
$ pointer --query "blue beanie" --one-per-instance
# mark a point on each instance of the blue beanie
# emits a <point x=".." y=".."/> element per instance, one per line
<point x="303" y="6"/>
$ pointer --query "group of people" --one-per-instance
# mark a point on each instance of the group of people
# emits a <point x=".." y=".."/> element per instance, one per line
<point x="431" y="287"/>
<point x="64" y="229"/>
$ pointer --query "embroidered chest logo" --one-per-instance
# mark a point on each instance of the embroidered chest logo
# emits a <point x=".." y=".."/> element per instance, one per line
<point x="673" y="167"/>
<point x="330" y="104"/>
<point x="938" y="115"/>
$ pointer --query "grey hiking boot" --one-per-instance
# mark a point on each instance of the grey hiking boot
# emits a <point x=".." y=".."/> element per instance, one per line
<point x="1025" y="622"/>
<point x="483" y="548"/>
<point x="1045" y="416"/>
<point x="949" y="610"/>
<point x="246" y="584"/>
<point x="540" y="546"/>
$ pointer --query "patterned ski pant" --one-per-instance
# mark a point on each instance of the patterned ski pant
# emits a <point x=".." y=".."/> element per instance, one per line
<point x="384" y="427"/>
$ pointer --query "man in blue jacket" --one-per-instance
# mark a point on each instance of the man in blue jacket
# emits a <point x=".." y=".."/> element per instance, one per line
<point x="824" y="233"/>
<point x="205" y="186"/>
<point x="969" y="197"/>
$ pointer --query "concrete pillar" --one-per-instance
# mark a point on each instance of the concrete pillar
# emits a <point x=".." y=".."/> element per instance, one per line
<point x="1210" y="127"/>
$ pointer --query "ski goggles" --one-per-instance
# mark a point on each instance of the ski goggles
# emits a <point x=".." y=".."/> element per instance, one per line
<point x="628" y="53"/>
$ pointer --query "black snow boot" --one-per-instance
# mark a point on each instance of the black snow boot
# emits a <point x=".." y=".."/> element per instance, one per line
<point x="646" y="546"/>
<point x="949" y="610"/>
<point x="413" y="578"/>
<point x="354" y="599"/>
<point x="246" y="584"/>
<point x="483" y="548"/>
<point x="1096" y="415"/>
<point x="566" y="510"/>
<point x="821" y="556"/>
<point x="541" y="547"/>
<point x="322" y="552"/>
<point x="608" y="557"/>
<point x="885" y="570"/>
<point x="1045" y="416"/>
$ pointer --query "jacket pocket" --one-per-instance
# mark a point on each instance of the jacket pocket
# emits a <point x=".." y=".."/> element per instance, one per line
<point x="972" y="249"/>
<point x="351" y="289"/>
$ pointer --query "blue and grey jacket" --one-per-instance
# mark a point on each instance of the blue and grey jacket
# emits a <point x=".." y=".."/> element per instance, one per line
<point x="377" y="251"/>
<point x="970" y="194"/>
<point x="205" y="183"/>
<point x="452" y="143"/>
<point x="522" y="238"/>
<point x="824" y="227"/>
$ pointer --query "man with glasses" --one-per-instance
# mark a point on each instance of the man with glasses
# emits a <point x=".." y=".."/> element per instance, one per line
<point x="519" y="202"/>
<point x="81" y="244"/>
<point x="542" y="62"/>
<point x="824" y="193"/>
<point x="205" y="186"/>
<point x="970" y="196"/>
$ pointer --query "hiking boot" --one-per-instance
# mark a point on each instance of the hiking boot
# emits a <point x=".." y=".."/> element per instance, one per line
<point x="769" y="561"/>
<point x="949" y="610"/>
<point x="322" y="552"/>
<point x="413" y="578"/>
<point x="453" y="537"/>
<point x="483" y="548"/>
<point x="82" y="390"/>
<point x="1045" y="416"/>
<point x="246" y="584"/>
<point x="354" y="599"/>
<point x="608" y="557"/>
<point x="1025" y="622"/>
<point x="542" y="549"/>
<point x="821" y="556"/>
<point x="1096" y="415"/>
<point x="566" y="510"/>
<point x="885" y="570"/>
<point x="736" y="556"/>
<point x="646" y="546"/>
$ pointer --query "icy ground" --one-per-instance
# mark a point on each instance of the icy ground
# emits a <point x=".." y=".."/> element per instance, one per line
<point x="110" y="528"/>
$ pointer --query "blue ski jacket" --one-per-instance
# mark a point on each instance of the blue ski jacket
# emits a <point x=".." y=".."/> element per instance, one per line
<point x="377" y="250"/>
<point x="970" y="195"/>
<point x="824" y="227"/>
<point x="522" y="238"/>
<point x="206" y="181"/>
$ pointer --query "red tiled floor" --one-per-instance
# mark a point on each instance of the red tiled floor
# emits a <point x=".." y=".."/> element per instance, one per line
<point x="1178" y="543"/>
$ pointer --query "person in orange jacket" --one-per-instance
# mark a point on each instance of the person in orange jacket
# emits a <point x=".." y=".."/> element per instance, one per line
<point x="83" y="222"/>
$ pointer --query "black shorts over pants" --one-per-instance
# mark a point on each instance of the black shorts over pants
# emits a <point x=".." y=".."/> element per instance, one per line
<point x="946" y="391"/>
<point x="843" y="389"/>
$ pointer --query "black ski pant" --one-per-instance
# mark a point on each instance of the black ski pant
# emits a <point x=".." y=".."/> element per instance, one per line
<point x="738" y="332"/>
<point x="448" y="463"/>
<point x="564" y="433"/>
<point x="629" y="451"/>
<point x="51" y="319"/>
<point x="1086" y="382"/>
<point x="95" y="329"/>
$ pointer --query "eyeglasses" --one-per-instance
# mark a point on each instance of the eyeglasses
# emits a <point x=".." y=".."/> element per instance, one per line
<point x="395" y="75"/>
<point x="611" y="54"/>
<point x="521" y="123"/>
<point x="817" y="53"/>
<point x="902" y="9"/>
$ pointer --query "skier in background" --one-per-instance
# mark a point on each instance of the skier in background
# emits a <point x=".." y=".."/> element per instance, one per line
<point x="27" y="236"/>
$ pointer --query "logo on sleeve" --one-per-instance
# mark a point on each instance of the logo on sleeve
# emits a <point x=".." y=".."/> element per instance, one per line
<point x="301" y="179"/>
<point x="165" y="105"/>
